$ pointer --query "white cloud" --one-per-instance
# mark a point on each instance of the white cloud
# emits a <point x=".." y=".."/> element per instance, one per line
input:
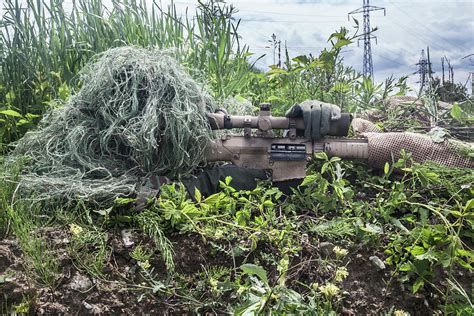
<point x="410" y="26"/>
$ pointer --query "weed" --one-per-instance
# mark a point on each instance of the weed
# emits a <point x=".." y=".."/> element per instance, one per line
<point x="40" y="257"/>
<point x="89" y="249"/>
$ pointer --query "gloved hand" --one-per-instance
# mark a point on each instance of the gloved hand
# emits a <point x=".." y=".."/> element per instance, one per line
<point x="317" y="117"/>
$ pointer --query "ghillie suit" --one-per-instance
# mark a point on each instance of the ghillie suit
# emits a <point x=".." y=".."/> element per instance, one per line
<point x="137" y="113"/>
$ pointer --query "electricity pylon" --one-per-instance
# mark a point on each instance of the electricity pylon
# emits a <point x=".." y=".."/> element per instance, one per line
<point x="424" y="70"/>
<point x="368" y="68"/>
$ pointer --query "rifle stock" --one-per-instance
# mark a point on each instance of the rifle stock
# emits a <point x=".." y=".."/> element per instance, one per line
<point x="285" y="157"/>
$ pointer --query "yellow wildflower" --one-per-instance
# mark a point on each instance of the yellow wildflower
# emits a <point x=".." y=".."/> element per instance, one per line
<point x="340" y="252"/>
<point x="400" y="312"/>
<point x="75" y="230"/>
<point x="144" y="264"/>
<point x="341" y="274"/>
<point x="329" y="290"/>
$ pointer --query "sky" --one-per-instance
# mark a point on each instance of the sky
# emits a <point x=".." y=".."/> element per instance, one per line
<point x="447" y="27"/>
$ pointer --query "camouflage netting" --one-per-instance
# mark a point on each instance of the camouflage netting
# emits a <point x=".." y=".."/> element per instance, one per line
<point x="138" y="113"/>
<point x="400" y="109"/>
<point x="386" y="147"/>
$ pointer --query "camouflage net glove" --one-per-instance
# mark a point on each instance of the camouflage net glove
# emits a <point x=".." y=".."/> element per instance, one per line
<point x="386" y="147"/>
<point x="317" y="117"/>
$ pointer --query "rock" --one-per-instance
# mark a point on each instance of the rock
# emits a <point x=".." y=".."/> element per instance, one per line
<point x="80" y="283"/>
<point x="93" y="308"/>
<point x="87" y="305"/>
<point x="127" y="238"/>
<point x="326" y="248"/>
<point x="377" y="262"/>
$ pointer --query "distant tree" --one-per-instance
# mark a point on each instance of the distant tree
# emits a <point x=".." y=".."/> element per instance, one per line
<point x="449" y="91"/>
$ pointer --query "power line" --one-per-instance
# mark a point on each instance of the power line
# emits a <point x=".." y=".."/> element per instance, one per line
<point x="392" y="60"/>
<point x="287" y="21"/>
<point x="416" y="20"/>
<point x="412" y="32"/>
<point x="296" y="47"/>
<point x="291" y="14"/>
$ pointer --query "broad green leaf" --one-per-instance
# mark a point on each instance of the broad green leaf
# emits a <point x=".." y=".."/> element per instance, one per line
<point x="406" y="267"/>
<point x="10" y="113"/>
<point x="321" y="155"/>
<point x="418" y="283"/>
<point x="456" y="213"/>
<point x="31" y="116"/>
<point x="197" y="195"/>
<point x="311" y="179"/>
<point x="22" y="122"/>
<point x="342" y="42"/>
<point x="456" y="112"/>
<point x="469" y="205"/>
<point x="252" y="269"/>
<point x="212" y="199"/>
<point x="416" y="250"/>
<point x="303" y="59"/>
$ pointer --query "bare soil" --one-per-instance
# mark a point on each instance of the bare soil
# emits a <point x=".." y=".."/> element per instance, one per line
<point x="367" y="291"/>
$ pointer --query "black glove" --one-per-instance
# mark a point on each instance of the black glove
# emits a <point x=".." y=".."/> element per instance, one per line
<point x="317" y="117"/>
<point x="207" y="180"/>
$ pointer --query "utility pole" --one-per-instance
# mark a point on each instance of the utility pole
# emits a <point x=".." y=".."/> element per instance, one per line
<point x="470" y="56"/>
<point x="368" y="68"/>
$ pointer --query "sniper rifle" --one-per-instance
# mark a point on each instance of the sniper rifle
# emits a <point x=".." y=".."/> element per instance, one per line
<point x="286" y="156"/>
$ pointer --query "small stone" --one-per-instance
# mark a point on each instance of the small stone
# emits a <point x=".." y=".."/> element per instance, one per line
<point x="127" y="238"/>
<point x="80" y="283"/>
<point x="326" y="248"/>
<point x="87" y="305"/>
<point x="377" y="262"/>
